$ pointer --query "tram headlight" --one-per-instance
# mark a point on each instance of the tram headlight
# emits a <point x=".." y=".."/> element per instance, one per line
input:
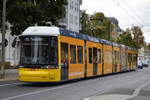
<point x="49" y="67"/>
<point x="20" y="66"/>
<point x="45" y="67"/>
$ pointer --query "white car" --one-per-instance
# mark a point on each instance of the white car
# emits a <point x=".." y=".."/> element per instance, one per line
<point x="144" y="63"/>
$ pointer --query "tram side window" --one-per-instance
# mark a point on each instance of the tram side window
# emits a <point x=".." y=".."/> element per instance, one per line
<point x="115" y="56"/>
<point x="64" y="53"/>
<point x="118" y="57"/>
<point x="72" y="54"/>
<point x="90" y="56"/>
<point x="99" y="55"/>
<point x="129" y="58"/>
<point x="80" y="54"/>
<point x="53" y="51"/>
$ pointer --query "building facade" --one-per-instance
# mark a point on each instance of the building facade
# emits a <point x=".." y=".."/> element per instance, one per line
<point x="73" y="14"/>
<point x="144" y="54"/>
<point x="9" y="50"/>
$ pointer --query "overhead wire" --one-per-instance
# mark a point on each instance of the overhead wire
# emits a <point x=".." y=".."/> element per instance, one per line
<point x="133" y="11"/>
<point x="124" y="10"/>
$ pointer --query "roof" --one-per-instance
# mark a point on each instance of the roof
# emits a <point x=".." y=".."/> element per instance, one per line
<point x="79" y="35"/>
<point x="42" y="30"/>
<point x="113" y="20"/>
<point x="116" y="45"/>
<point x="55" y="31"/>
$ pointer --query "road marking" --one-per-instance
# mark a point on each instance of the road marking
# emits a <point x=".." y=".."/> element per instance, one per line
<point x="33" y="93"/>
<point x="10" y="84"/>
<point x="137" y="91"/>
<point x="86" y="99"/>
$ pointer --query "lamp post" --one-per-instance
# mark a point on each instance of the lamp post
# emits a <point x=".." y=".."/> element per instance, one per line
<point x="3" y="40"/>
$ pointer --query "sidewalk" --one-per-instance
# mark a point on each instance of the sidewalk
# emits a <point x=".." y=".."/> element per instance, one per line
<point x="10" y="74"/>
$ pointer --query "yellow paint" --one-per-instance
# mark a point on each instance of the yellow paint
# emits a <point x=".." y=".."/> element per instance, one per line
<point x="71" y="41"/>
<point x="75" y="70"/>
<point x="107" y="65"/>
<point x="59" y="52"/>
<point x="118" y="64"/>
<point x="90" y="65"/>
<point x="39" y="75"/>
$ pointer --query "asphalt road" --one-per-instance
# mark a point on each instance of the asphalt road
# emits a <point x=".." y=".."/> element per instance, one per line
<point x="123" y="82"/>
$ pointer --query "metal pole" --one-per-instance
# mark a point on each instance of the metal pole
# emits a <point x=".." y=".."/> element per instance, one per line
<point x="3" y="39"/>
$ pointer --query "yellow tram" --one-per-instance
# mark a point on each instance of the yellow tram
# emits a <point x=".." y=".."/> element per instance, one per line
<point x="52" y="54"/>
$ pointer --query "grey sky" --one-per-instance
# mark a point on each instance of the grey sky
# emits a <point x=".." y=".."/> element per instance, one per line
<point x="128" y="12"/>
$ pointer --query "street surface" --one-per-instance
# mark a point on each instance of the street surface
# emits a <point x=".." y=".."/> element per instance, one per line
<point x="130" y="84"/>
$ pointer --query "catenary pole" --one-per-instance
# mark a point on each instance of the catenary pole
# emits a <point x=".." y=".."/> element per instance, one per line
<point x="3" y="39"/>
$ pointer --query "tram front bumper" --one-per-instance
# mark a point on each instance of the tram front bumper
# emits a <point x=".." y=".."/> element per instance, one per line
<point x="37" y="75"/>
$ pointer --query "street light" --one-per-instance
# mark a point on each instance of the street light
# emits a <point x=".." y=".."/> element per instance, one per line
<point x="3" y="40"/>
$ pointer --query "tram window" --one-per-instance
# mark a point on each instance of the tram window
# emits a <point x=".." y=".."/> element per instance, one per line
<point x="64" y="53"/>
<point x="90" y="55"/>
<point x="118" y="57"/>
<point x="80" y="54"/>
<point x="53" y="42"/>
<point x="99" y="55"/>
<point x="53" y="51"/>
<point x="129" y="58"/>
<point x="115" y="56"/>
<point x="34" y="50"/>
<point x="72" y="54"/>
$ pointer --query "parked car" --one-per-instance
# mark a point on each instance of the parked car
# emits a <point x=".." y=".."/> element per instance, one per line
<point x="144" y="63"/>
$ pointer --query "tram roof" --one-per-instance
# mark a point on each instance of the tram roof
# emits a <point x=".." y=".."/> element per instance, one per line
<point x="42" y="31"/>
<point x="116" y="45"/>
<point x="55" y="31"/>
<point x="83" y="36"/>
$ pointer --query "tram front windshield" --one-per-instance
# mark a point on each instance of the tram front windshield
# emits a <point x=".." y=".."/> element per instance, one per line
<point x="38" y="50"/>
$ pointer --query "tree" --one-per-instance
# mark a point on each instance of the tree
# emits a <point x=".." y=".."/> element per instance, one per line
<point x="24" y="13"/>
<point x="148" y="46"/>
<point x="126" y="39"/>
<point x="96" y="25"/>
<point x="138" y="35"/>
<point x="85" y="22"/>
<point x="102" y="26"/>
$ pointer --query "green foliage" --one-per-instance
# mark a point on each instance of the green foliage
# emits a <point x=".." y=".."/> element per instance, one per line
<point x="138" y="35"/>
<point x="148" y="46"/>
<point x="101" y="25"/>
<point x="127" y="40"/>
<point x="96" y="25"/>
<point x="85" y="22"/>
<point x="24" y="13"/>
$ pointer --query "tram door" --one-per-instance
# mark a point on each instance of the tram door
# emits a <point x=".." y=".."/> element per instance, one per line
<point x="95" y="62"/>
<point x="64" y="61"/>
<point x="115" y="62"/>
